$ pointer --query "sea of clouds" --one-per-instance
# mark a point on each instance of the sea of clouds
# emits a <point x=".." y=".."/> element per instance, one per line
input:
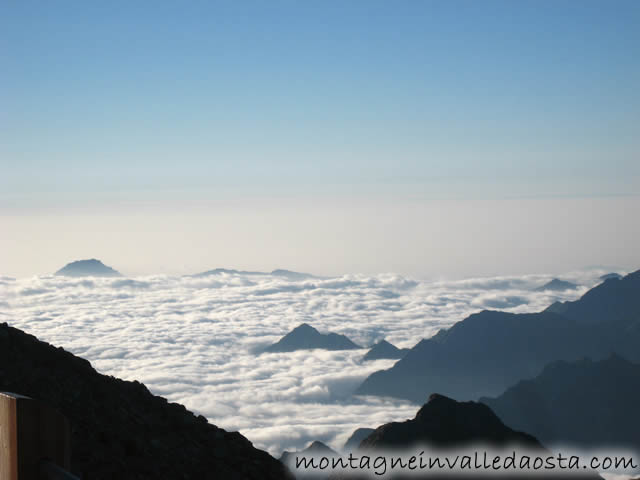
<point x="195" y="340"/>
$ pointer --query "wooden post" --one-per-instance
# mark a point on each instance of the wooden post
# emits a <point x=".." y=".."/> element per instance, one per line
<point x="30" y="433"/>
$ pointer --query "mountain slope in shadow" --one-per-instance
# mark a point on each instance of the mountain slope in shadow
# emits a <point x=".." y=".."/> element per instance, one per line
<point x="490" y="351"/>
<point x="353" y="442"/>
<point x="119" y="429"/>
<point x="615" y="301"/>
<point x="445" y="423"/>
<point x="583" y="404"/>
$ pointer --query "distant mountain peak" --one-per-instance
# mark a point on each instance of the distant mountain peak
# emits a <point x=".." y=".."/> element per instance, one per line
<point x="305" y="337"/>
<point x="279" y="272"/>
<point x="557" y="285"/>
<point x="318" y="446"/>
<point x="384" y="349"/>
<point x="87" y="268"/>
<point x="291" y="275"/>
<point x="304" y="326"/>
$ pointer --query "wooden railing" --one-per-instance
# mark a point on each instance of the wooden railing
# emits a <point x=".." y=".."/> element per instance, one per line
<point x="35" y="440"/>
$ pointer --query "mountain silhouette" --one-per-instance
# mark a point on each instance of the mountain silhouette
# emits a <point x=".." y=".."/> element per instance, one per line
<point x="87" y="268"/>
<point x="384" y="349"/>
<point x="443" y="423"/>
<point x="615" y="301"/>
<point x="583" y="404"/>
<point x="557" y="285"/>
<point x="288" y="274"/>
<point x="121" y="430"/>
<point x="229" y="271"/>
<point x="305" y="337"/>
<point x="490" y="351"/>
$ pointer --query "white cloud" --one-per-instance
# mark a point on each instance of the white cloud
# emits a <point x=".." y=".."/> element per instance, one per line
<point x="192" y="339"/>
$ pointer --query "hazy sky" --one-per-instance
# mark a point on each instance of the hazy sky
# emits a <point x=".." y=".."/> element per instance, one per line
<point x="427" y="138"/>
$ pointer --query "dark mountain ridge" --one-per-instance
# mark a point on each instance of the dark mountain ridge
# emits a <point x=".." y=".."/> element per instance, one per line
<point x="443" y="423"/>
<point x="489" y="351"/>
<point x="583" y="403"/>
<point x="614" y="301"/>
<point x="119" y="429"/>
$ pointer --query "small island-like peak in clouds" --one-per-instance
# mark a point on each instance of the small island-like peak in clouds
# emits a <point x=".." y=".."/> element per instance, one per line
<point x="88" y="268"/>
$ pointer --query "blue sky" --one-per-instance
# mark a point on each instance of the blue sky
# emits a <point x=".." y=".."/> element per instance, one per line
<point x="144" y="101"/>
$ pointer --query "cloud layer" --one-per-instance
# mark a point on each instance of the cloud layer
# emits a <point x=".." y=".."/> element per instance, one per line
<point x="193" y="339"/>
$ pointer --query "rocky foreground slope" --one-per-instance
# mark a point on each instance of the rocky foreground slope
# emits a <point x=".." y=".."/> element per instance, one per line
<point x="119" y="429"/>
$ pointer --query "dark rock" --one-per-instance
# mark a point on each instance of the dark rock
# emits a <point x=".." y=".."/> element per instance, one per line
<point x="119" y="429"/>
<point x="442" y="424"/>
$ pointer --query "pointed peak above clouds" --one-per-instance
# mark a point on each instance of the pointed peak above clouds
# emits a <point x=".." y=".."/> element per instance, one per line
<point x="557" y="285"/>
<point x="384" y="349"/>
<point x="305" y="337"/>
